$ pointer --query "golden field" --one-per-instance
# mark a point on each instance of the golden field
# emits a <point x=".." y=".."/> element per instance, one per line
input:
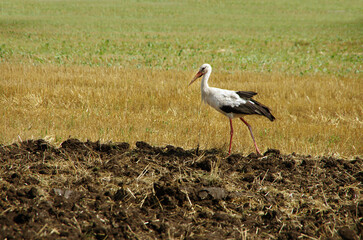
<point x="119" y="70"/>
<point x="317" y="115"/>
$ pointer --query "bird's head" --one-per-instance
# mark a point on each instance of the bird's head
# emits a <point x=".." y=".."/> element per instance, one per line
<point x="205" y="68"/>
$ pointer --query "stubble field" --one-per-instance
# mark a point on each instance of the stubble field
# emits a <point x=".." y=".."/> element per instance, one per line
<point x="114" y="75"/>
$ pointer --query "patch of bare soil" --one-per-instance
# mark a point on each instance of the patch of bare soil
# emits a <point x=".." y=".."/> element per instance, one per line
<point x="105" y="191"/>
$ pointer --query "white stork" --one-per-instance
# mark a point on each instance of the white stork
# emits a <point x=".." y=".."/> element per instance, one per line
<point x="233" y="104"/>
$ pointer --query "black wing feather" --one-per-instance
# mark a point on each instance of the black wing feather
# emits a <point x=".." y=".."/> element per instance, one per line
<point x="246" y="94"/>
<point x="251" y="107"/>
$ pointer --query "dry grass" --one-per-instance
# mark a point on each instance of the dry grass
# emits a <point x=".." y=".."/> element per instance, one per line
<point x="315" y="114"/>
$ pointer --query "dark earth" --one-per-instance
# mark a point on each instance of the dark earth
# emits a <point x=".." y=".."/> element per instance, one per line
<point x="94" y="190"/>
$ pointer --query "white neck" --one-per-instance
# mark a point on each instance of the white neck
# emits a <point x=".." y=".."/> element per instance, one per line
<point x="204" y="86"/>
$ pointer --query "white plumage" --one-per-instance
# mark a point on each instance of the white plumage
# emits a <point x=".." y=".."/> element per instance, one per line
<point x="232" y="104"/>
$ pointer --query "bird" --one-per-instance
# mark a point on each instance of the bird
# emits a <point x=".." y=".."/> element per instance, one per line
<point x="233" y="104"/>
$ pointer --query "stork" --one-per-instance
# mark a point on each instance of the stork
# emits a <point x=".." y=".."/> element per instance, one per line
<point x="233" y="104"/>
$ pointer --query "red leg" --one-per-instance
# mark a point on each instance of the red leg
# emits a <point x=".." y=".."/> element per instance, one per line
<point x="253" y="138"/>
<point x="230" y="141"/>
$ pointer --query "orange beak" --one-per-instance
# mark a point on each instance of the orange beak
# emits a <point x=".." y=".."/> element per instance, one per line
<point x="198" y="75"/>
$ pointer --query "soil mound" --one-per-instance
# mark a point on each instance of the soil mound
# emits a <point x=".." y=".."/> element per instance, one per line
<point x="99" y="190"/>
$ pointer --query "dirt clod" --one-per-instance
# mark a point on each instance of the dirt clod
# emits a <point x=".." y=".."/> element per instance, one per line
<point x="347" y="234"/>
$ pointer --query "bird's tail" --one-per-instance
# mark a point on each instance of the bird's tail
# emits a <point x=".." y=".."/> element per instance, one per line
<point x="264" y="111"/>
<point x="270" y="116"/>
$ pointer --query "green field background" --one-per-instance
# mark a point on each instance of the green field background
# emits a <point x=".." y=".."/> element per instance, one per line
<point x="296" y="37"/>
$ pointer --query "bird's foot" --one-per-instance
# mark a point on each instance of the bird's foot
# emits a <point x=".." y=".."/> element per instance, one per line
<point x="258" y="150"/>
<point x="259" y="154"/>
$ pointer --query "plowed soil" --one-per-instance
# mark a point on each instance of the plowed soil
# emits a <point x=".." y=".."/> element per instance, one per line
<point x="113" y="191"/>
